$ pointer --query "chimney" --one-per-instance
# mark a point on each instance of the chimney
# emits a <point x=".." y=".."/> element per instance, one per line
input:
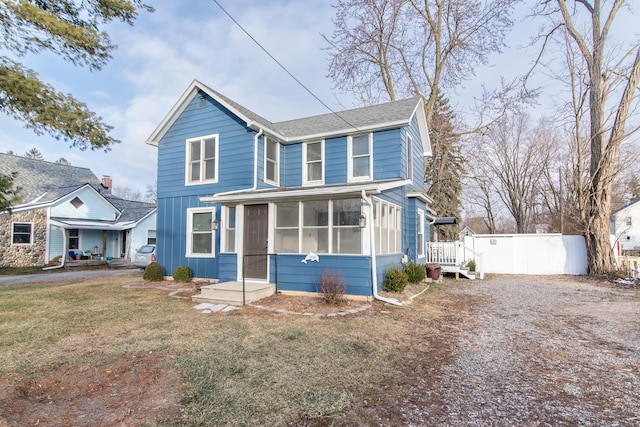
<point x="107" y="182"/>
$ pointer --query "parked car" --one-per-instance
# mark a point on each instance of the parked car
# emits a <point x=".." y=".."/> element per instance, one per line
<point x="145" y="256"/>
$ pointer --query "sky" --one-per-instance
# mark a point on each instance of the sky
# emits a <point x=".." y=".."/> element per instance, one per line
<point x="165" y="51"/>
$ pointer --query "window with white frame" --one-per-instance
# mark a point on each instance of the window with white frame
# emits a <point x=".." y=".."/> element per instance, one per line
<point x="229" y="224"/>
<point x="346" y="231"/>
<point x="319" y="226"/>
<point x="271" y="163"/>
<point x="22" y="233"/>
<point x="387" y="227"/>
<point x="151" y="237"/>
<point x="409" y="157"/>
<point x="315" y="227"/>
<point x="287" y="230"/>
<point x="200" y="233"/>
<point x="628" y="221"/>
<point x="202" y="159"/>
<point x="313" y="155"/>
<point x="420" y="228"/>
<point x="360" y="157"/>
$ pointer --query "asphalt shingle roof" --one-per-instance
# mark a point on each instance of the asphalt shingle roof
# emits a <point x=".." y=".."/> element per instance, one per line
<point x="43" y="182"/>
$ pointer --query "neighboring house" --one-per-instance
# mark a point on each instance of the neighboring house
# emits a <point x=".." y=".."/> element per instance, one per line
<point x="67" y="208"/>
<point x="337" y="191"/>
<point x="625" y="226"/>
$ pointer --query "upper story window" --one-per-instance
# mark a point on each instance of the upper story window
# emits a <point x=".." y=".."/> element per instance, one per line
<point x="271" y="161"/>
<point x="202" y="159"/>
<point x="200" y="233"/>
<point x="360" y="157"/>
<point x="313" y="158"/>
<point x="409" y="157"/>
<point x="22" y="233"/>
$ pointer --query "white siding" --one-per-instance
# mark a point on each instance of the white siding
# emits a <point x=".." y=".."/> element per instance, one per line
<point x="138" y="236"/>
<point x="94" y="206"/>
<point x="627" y="234"/>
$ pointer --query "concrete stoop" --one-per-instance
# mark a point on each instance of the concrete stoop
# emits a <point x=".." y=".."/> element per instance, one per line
<point x="231" y="293"/>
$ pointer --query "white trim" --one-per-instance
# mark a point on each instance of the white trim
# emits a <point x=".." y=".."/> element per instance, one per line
<point x="202" y="163"/>
<point x="224" y="228"/>
<point x="305" y="180"/>
<point x="421" y="232"/>
<point x="276" y="181"/>
<point x="352" y="178"/>
<point x="190" y="212"/>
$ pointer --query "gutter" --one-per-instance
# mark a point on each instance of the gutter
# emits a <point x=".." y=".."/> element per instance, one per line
<point x="372" y="246"/>
<point x="64" y="251"/>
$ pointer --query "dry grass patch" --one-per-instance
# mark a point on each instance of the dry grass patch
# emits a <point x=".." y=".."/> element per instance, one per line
<point x="97" y="352"/>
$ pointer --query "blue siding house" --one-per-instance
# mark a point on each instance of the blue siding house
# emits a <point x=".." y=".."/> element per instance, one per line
<point x="242" y="198"/>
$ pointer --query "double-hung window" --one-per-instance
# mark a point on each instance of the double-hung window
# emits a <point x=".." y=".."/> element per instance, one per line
<point x="360" y="157"/>
<point x="22" y="233"/>
<point x="271" y="163"/>
<point x="200" y="233"/>
<point x="229" y="223"/>
<point x="409" y="157"/>
<point x="202" y="159"/>
<point x="313" y="156"/>
<point x="420" y="227"/>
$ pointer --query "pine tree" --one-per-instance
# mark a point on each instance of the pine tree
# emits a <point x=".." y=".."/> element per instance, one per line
<point x="443" y="170"/>
<point x="34" y="154"/>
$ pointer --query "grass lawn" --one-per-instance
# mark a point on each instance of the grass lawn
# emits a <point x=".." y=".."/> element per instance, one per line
<point x="112" y="346"/>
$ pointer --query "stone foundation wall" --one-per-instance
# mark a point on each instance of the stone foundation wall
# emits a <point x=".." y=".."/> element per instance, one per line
<point x="23" y="255"/>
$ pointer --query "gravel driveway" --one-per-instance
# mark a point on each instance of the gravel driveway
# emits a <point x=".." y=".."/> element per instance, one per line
<point x="531" y="351"/>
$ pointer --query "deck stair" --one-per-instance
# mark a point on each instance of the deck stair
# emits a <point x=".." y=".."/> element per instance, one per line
<point x="459" y="270"/>
<point x="231" y="292"/>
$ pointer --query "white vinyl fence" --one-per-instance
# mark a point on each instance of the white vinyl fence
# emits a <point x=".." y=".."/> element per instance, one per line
<point x="528" y="253"/>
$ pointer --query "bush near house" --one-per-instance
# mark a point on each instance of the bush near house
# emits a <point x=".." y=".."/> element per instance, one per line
<point x="153" y="272"/>
<point x="183" y="274"/>
<point x="332" y="287"/>
<point x="415" y="272"/>
<point x="395" y="280"/>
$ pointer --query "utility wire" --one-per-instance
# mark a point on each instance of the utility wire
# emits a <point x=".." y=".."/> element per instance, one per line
<point x="282" y="66"/>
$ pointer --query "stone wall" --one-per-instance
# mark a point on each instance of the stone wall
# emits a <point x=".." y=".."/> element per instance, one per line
<point x="23" y="255"/>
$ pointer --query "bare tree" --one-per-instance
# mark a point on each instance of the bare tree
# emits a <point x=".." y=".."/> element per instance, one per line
<point x="516" y="156"/>
<point x="612" y="77"/>
<point x="127" y="193"/>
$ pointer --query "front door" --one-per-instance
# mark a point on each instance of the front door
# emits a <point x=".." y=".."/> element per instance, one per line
<point x="256" y="220"/>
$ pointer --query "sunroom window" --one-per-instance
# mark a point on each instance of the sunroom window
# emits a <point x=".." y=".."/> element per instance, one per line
<point x="346" y="230"/>
<point x="315" y="227"/>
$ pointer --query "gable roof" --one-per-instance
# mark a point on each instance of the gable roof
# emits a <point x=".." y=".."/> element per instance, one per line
<point x="42" y="183"/>
<point x="376" y="117"/>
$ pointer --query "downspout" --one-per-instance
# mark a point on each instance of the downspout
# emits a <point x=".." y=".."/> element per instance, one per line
<point x="64" y="252"/>
<point x="372" y="249"/>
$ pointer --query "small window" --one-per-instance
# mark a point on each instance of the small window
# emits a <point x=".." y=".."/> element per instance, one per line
<point x="151" y="237"/>
<point x="202" y="159"/>
<point x="229" y="224"/>
<point x="421" y="242"/>
<point x="409" y="157"/>
<point x="76" y="202"/>
<point x="22" y="233"/>
<point x="74" y="238"/>
<point x="313" y="153"/>
<point x="271" y="164"/>
<point x="360" y="161"/>
<point x="628" y="221"/>
<point x="200" y="233"/>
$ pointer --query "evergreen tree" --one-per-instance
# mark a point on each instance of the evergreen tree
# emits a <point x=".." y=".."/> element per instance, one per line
<point x="34" y="154"/>
<point x="443" y="170"/>
<point x="9" y="193"/>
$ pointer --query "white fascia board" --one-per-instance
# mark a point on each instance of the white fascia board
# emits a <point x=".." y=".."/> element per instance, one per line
<point x="91" y="225"/>
<point x="173" y="114"/>
<point x="346" y="131"/>
<point x="271" y="195"/>
<point x="422" y="127"/>
<point x="421" y="196"/>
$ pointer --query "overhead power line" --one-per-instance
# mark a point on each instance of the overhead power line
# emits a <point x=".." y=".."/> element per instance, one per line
<point x="282" y="66"/>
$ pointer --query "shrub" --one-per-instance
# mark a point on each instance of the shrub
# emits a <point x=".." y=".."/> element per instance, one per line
<point x="471" y="265"/>
<point x="415" y="272"/>
<point x="395" y="280"/>
<point x="153" y="272"/>
<point x="183" y="274"/>
<point x="332" y="287"/>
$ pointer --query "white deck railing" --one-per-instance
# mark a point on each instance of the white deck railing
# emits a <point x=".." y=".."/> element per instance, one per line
<point x="443" y="252"/>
